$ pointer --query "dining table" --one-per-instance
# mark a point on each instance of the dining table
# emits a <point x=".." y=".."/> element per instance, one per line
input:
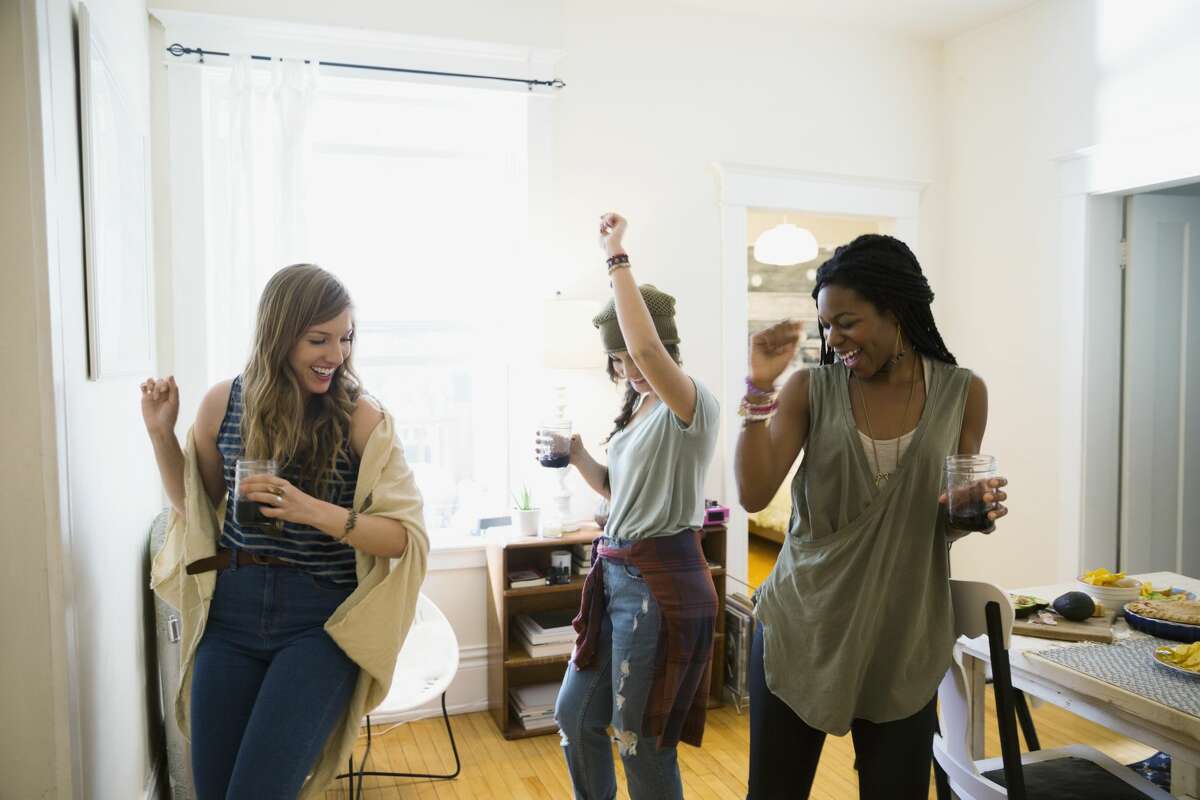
<point x="1122" y="689"/>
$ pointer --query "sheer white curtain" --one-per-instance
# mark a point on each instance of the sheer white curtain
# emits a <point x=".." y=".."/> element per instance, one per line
<point x="417" y="196"/>
<point x="258" y="154"/>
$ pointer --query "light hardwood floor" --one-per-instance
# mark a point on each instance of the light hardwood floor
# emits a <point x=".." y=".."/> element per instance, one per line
<point x="493" y="768"/>
<point x="533" y="768"/>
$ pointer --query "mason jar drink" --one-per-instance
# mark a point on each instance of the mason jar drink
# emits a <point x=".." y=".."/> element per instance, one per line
<point x="966" y="482"/>
<point x="554" y="444"/>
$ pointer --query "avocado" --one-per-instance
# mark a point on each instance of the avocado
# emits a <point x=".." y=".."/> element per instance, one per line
<point x="1075" y="606"/>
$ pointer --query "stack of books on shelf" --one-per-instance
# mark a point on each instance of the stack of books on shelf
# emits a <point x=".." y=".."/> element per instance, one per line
<point x="581" y="558"/>
<point x="739" y="636"/>
<point x="534" y="705"/>
<point x="546" y="633"/>
<point x="524" y="578"/>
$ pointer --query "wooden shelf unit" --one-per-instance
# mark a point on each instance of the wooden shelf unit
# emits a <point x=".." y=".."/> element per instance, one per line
<point x="508" y="663"/>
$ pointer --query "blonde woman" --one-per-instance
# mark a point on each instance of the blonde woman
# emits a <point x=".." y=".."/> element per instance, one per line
<point x="291" y="625"/>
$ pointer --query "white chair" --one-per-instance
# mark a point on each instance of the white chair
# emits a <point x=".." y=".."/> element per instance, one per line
<point x="980" y="608"/>
<point x="427" y="664"/>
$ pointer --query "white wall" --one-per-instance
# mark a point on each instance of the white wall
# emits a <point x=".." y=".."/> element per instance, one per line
<point x="103" y="466"/>
<point x="1019" y="93"/>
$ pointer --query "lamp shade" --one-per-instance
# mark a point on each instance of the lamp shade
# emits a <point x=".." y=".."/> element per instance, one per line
<point x="785" y="245"/>
<point x="569" y="340"/>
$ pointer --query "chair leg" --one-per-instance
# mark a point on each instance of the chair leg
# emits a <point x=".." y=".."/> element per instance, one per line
<point x="443" y="777"/>
<point x="1010" y="746"/>
<point x="1026" y="719"/>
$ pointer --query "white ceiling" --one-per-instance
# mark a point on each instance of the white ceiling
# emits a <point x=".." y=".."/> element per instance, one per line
<point x="926" y="19"/>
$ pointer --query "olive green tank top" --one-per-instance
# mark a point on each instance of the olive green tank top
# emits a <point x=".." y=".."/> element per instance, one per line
<point x="856" y="615"/>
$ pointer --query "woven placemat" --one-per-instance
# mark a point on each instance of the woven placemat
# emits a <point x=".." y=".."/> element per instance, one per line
<point x="1130" y="665"/>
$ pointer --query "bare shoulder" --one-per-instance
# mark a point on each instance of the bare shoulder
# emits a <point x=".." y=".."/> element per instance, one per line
<point x="212" y="408"/>
<point x="366" y="416"/>
<point x="794" y="394"/>
<point x="977" y="389"/>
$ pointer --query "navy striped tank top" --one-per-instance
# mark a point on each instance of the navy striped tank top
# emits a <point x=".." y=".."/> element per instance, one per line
<point x="305" y="547"/>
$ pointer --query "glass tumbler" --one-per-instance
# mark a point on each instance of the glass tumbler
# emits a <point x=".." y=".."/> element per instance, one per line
<point x="246" y="512"/>
<point x="966" y="482"/>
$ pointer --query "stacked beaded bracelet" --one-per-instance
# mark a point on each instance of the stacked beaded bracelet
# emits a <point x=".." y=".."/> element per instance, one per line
<point x="757" y="405"/>
<point x="617" y="261"/>
<point x="752" y="411"/>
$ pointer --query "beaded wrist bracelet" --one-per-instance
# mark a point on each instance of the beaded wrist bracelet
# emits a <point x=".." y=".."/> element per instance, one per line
<point x="617" y="261"/>
<point x="752" y="411"/>
<point x="755" y="392"/>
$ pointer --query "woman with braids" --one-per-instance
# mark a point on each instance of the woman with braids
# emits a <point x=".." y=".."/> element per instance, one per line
<point x="290" y="630"/>
<point x="648" y="613"/>
<point x="855" y="625"/>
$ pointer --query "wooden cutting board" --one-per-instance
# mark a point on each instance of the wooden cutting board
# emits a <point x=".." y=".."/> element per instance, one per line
<point x="1094" y="629"/>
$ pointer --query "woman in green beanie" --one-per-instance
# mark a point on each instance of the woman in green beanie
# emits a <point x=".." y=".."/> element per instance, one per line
<point x="648" y="613"/>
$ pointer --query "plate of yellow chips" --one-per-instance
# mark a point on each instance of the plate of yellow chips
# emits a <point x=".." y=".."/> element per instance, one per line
<point x="1183" y="658"/>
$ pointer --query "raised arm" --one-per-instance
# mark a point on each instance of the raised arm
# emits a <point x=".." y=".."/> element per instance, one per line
<point x="666" y="378"/>
<point x="160" y="411"/>
<point x="766" y="449"/>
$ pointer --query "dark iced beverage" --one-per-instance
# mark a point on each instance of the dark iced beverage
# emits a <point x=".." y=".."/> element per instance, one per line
<point x="972" y="516"/>
<point x="554" y="444"/>
<point x="246" y="512"/>
<point x="249" y="513"/>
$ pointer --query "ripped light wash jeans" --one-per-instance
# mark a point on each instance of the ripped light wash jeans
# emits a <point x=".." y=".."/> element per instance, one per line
<point x="614" y="691"/>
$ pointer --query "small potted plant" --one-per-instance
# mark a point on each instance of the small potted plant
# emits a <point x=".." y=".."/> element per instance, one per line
<point x="525" y="515"/>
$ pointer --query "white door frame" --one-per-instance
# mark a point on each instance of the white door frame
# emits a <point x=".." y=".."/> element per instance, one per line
<point x="743" y="187"/>
<point x="1092" y="183"/>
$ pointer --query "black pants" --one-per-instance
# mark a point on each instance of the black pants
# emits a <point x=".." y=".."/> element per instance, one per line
<point x="893" y="758"/>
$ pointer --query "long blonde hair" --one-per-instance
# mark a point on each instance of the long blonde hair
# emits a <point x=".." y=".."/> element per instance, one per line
<point x="279" y="420"/>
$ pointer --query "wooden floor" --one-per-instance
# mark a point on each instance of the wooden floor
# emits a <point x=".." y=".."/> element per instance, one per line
<point x="493" y="768"/>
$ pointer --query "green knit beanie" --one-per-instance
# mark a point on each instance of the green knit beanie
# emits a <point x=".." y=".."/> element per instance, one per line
<point x="662" y="313"/>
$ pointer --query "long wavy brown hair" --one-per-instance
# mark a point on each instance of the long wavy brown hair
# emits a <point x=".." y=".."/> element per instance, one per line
<point x="280" y="421"/>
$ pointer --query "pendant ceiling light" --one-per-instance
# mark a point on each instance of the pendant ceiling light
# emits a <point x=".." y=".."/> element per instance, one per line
<point x="785" y="245"/>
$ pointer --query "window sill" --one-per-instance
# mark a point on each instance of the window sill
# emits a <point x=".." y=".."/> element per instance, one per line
<point x="452" y="548"/>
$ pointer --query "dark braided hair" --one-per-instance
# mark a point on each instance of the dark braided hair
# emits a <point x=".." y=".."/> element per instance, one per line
<point x="884" y="271"/>
<point x="631" y="395"/>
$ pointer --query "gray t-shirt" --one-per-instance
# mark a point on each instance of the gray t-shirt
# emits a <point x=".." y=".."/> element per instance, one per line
<point x="656" y="470"/>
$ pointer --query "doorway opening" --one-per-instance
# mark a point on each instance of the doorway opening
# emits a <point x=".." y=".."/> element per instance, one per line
<point x="775" y="293"/>
<point x="1159" y="447"/>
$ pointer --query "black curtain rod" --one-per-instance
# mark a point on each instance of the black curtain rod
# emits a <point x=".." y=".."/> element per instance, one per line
<point x="179" y="50"/>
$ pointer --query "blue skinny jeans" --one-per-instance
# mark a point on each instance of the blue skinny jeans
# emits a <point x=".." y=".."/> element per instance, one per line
<point x="268" y="683"/>
<point x="613" y="691"/>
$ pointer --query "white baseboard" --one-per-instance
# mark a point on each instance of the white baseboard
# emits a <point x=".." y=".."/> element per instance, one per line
<point x="427" y="712"/>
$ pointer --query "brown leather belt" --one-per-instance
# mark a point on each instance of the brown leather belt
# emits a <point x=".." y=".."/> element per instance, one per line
<point x="244" y="558"/>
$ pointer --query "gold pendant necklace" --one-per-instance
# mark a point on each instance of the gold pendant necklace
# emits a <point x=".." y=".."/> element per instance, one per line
<point x="881" y="476"/>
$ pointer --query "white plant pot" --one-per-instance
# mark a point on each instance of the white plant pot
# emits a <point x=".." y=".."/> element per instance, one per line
<point x="526" y="522"/>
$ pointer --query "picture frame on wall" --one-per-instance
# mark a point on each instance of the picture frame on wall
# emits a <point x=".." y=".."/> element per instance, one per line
<point x="116" y="222"/>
